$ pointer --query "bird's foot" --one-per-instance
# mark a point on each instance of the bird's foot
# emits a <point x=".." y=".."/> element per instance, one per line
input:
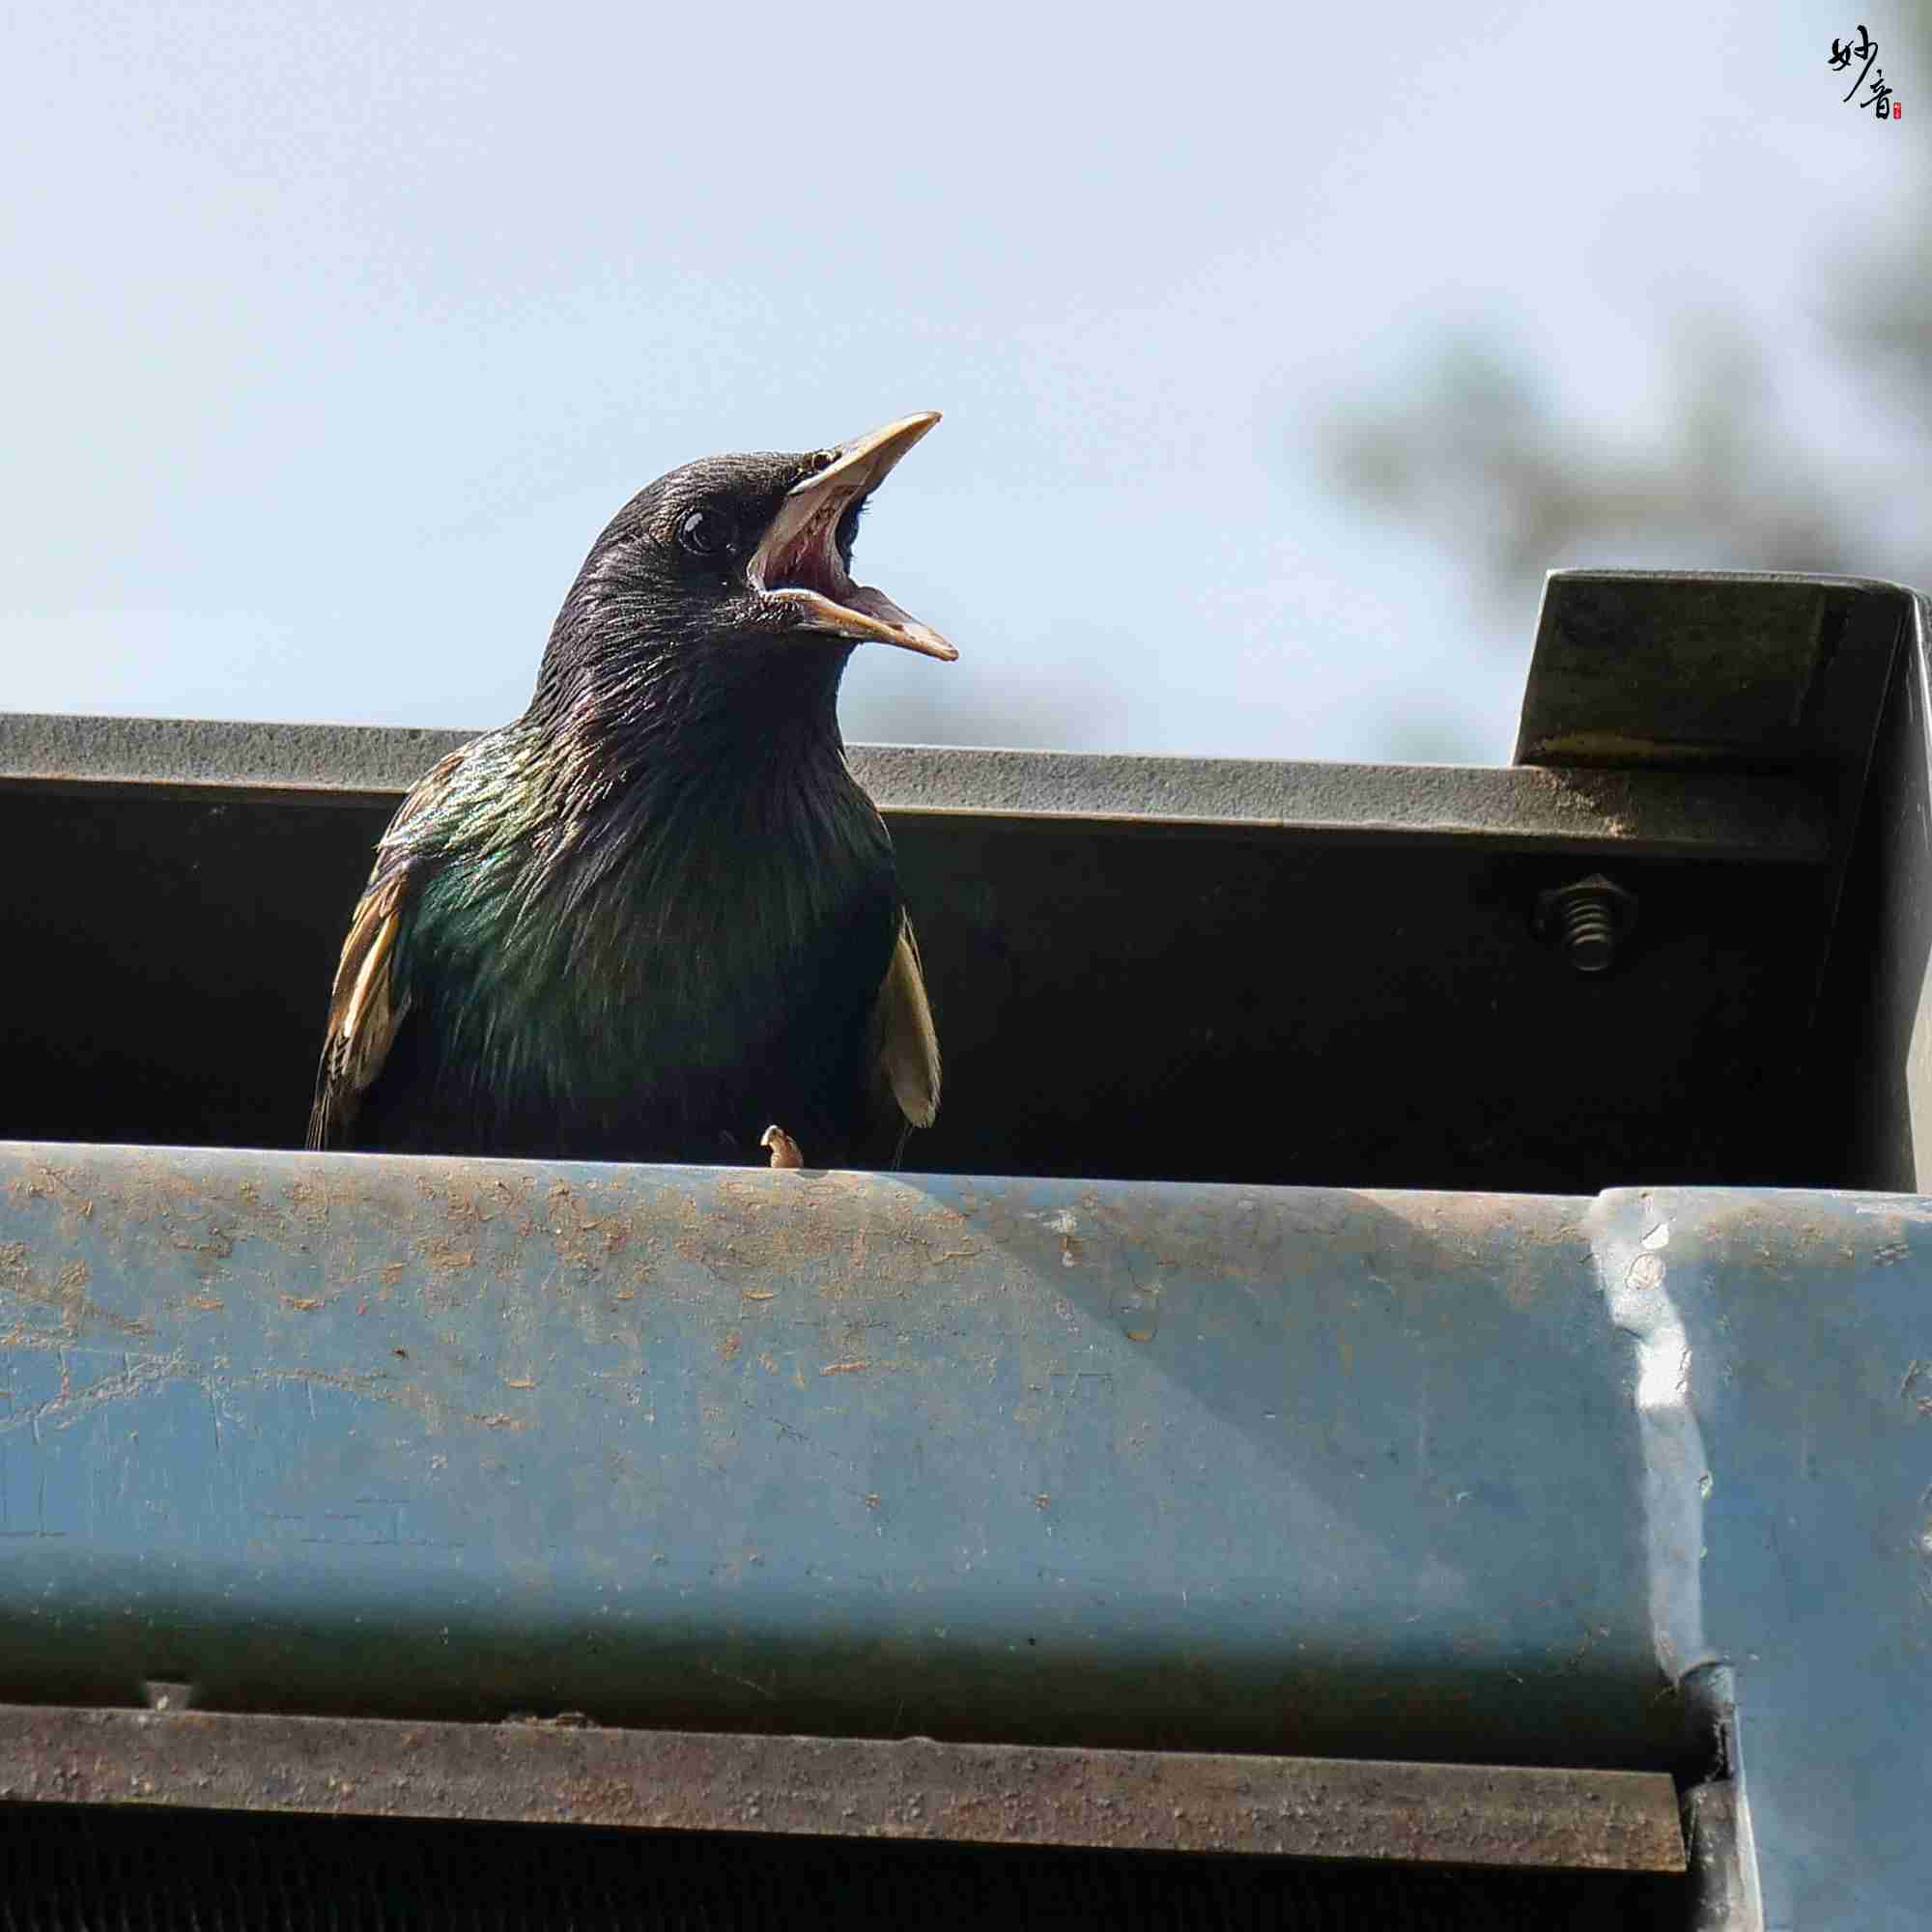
<point x="785" y="1149"/>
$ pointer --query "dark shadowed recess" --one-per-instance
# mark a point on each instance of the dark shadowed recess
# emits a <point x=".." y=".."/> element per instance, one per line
<point x="1154" y="1000"/>
<point x="63" y="1869"/>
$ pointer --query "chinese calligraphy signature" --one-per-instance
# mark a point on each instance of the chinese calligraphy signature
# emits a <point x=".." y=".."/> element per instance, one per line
<point x="1864" y="48"/>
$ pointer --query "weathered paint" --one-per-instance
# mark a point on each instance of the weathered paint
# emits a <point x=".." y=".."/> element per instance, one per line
<point x="1037" y="1459"/>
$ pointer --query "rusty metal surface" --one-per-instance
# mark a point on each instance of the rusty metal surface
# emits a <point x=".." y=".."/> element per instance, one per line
<point x="844" y="1787"/>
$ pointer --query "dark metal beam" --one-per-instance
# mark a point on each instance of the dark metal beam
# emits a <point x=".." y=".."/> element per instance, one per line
<point x="1739" y="670"/>
<point x="554" y="1772"/>
<point x="1658" y="812"/>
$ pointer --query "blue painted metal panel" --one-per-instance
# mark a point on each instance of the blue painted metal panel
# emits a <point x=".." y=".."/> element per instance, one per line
<point x="1425" y="1475"/>
<point x="1016" y="1458"/>
<point x="1785" y="1344"/>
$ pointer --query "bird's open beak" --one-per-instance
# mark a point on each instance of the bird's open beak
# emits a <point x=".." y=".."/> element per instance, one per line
<point x="799" y="561"/>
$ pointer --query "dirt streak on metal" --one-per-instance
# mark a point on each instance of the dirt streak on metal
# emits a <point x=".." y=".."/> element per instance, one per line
<point x="64" y="1292"/>
<point x="850" y="1230"/>
<point x="497" y="1211"/>
<point x="301" y="1238"/>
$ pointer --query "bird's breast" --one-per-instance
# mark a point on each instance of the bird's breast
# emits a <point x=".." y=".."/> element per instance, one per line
<point x="702" y="968"/>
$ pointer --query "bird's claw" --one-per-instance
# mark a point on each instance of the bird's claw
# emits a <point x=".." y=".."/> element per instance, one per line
<point x="785" y="1149"/>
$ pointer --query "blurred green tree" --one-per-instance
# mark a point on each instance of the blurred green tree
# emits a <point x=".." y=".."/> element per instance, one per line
<point x="1732" y="478"/>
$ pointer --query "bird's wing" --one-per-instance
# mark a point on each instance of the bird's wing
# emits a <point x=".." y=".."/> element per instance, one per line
<point x="366" y="1006"/>
<point x="904" y="1048"/>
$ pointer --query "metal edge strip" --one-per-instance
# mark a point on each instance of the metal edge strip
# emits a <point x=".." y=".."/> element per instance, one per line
<point x="916" y="1788"/>
<point x="1693" y="814"/>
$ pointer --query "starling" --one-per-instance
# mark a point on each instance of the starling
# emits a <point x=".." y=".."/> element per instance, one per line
<point x="657" y="912"/>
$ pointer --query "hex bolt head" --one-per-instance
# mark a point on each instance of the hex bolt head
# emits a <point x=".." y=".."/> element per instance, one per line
<point x="1589" y="919"/>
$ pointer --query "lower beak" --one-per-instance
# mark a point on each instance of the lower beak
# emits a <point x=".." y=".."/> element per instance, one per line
<point x="799" y="562"/>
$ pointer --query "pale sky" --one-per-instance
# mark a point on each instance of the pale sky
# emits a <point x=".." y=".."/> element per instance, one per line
<point x="335" y="332"/>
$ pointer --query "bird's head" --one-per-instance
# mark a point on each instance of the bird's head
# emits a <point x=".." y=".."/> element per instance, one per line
<point x="734" y="573"/>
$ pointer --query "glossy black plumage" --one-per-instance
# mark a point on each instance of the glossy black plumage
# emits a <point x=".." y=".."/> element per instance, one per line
<point x="656" y="913"/>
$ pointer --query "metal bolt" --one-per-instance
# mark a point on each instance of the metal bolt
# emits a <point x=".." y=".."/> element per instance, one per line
<point x="1589" y="919"/>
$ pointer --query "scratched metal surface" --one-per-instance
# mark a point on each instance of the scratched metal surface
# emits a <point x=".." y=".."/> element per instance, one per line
<point x="1479" y="1477"/>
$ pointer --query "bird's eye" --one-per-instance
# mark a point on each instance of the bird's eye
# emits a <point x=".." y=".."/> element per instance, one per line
<point x="708" y="532"/>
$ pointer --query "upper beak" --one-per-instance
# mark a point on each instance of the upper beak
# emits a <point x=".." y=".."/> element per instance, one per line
<point x="798" y="559"/>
